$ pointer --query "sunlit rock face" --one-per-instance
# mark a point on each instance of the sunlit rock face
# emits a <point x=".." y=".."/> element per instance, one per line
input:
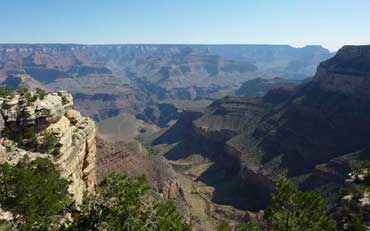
<point x="54" y="114"/>
<point x="348" y="72"/>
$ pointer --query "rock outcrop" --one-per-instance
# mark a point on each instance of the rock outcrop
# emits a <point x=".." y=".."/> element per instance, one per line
<point x="348" y="72"/>
<point x="42" y="114"/>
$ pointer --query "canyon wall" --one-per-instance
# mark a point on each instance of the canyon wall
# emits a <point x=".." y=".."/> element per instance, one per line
<point x="310" y="134"/>
<point x="348" y="72"/>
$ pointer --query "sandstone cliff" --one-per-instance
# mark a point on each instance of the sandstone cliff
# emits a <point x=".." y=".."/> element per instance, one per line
<point x="44" y="124"/>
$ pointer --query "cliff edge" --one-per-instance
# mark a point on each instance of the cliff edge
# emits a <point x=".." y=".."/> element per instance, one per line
<point x="40" y="124"/>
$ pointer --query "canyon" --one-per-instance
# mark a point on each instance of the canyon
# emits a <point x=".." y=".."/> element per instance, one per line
<point x="194" y="119"/>
<point x="302" y="133"/>
<point x="108" y="80"/>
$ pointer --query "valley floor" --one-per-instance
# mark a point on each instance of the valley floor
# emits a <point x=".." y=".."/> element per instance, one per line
<point x="198" y="195"/>
<point x="198" y="177"/>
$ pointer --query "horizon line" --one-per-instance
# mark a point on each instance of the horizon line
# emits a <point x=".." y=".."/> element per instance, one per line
<point x="170" y="44"/>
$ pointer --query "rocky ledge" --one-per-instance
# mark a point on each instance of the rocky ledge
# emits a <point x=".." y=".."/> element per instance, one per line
<point x="36" y="123"/>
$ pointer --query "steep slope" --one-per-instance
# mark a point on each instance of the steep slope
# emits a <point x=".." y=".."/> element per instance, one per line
<point x="46" y="126"/>
<point x="311" y="134"/>
<point x="132" y="159"/>
<point x="324" y="119"/>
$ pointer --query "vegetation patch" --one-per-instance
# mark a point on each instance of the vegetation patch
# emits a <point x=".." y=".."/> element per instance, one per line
<point x="34" y="192"/>
<point x="127" y="203"/>
<point x="65" y="100"/>
<point x="38" y="198"/>
<point x="6" y="92"/>
<point x="42" y="142"/>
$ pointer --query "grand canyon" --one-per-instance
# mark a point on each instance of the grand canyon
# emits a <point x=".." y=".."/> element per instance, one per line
<point x="184" y="116"/>
<point x="211" y="127"/>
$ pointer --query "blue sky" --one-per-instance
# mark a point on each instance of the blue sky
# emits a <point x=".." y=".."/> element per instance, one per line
<point x="331" y="23"/>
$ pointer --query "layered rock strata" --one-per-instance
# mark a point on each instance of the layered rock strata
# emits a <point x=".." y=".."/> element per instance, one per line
<point x="311" y="134"/>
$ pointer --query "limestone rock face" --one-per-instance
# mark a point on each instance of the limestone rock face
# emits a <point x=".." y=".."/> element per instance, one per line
<point x="348" y="72"/>
<point x="19" y="113"/>
<point x="75" y="136"/>
<point x="77" y="153"/>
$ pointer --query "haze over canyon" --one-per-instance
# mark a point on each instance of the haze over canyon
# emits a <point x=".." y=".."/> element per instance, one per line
<point x="212" y="127"/>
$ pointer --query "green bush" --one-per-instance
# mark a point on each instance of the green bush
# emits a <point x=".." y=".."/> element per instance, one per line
<point x="49" y="141"/>
<point x="5" y="106"/>
<point x="41" y="93"/>
<point x="293" y="210"/>
<point x="34" y="191"/>
<point x="6" y="92"/>
<point x="30" y="98"/>
<point x="127" y="204"/>
<point x="65" y="100"/>
<point x="56" y="150"/>
<point x="22" y="90"/>
<point x="7" y="226"/>
<point x="247" y="226"/>
<point x="23" y="137"/>
<point x="224" y="227"/>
